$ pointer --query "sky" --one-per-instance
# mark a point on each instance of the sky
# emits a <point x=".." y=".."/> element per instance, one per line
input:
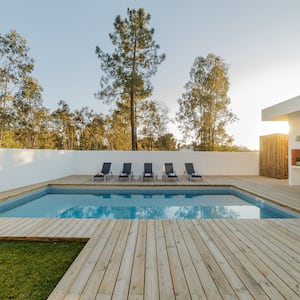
<point x="259" y="40"/>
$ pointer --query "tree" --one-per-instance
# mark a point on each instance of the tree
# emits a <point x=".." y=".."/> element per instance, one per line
<point x="203" y="107"/>
<point x="30" y="113"/>
<point x="15" y="67"/>
<point x="118" y="127"/>
<point x="63" y="126"/>
<point x="127" y="71"/>
<point x="166" y="142"/>
<point x="152" y="122"/>
<point x="90" y="129"/>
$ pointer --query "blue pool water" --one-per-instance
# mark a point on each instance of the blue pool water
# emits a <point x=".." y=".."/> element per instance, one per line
<point x="198" y="203"/>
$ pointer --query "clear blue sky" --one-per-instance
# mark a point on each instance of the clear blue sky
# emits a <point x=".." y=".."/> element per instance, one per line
<point x="258" y="39"/>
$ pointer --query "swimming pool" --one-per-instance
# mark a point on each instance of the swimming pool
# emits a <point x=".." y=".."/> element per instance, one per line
<point x="161" y="203"/>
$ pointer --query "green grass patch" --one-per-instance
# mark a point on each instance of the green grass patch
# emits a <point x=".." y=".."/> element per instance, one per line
<point x="31" y="270"/>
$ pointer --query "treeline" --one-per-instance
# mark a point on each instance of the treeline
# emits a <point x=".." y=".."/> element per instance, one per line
<point x="27" y="123"/>
<point x="136" y="122"/>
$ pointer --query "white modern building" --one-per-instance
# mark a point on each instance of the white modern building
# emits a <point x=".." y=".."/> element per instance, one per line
<point x="288" y="110"/>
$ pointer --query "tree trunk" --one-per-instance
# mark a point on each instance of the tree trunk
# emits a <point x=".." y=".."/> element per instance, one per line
<point x="132" y="122"/>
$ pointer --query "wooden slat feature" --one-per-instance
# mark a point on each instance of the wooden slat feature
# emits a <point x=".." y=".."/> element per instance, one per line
<point x="273" y="156"/>
<point x="167" y="259"/>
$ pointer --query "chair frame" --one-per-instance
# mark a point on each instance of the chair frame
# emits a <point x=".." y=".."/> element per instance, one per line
<point x="168" y="170"/>
<point x="125" y="172"/>
<point x="191" y="173"/>
<point x="148" y="170"/>
<point x="105" y="172"/>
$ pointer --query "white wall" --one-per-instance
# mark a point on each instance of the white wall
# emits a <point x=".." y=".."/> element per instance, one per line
<point x="206" y="163"/>
<point x="20" y="167"/>
<point x="294" y="131"/>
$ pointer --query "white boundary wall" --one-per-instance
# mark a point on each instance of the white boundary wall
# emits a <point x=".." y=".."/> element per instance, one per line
<point x="21" y="167"/>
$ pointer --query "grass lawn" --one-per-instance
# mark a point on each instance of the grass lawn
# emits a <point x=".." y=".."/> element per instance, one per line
<point x="31" y="270"/>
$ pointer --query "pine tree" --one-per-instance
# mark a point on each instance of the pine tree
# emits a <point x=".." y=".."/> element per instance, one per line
<point x="127" y="71"/>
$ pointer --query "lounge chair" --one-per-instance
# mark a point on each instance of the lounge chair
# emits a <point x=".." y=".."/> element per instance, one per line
<point x="169" y="172"/>
<point x="148" y="174"/>
<point x="105" y="172"/>
<point x="126" y="172"/>
<point x="189" y="167"/>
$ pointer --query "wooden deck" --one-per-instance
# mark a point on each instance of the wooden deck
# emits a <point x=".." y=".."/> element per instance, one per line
<point x="168" y="259"/>
<point x="182" y="259"/>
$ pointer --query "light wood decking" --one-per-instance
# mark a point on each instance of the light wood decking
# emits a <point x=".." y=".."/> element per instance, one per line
<point x="167" y="259"/>
<point x="184" y="259"/>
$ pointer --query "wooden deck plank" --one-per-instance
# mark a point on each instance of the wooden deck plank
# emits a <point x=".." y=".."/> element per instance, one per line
<point x="291" y="224"/>
<point x="287" y="253"/>
<point x="192" y="279"/>
<point x="178" y="278"/>
<point x="86" y="275"/>
<point x="151" y="276"/>
<point x="234" y="280"/>
<point x="15" y="226"/>
<point x="99" y="263"/>
<point x="88" y="228"/>
<point x="286" y="233"/>
<point x="22" y="227"/>
<point x="273" y="278"/>
<point x="287" y="273"/>
<point x="225" y="246"/>
<point x="287" y="240"/>
<point x="191" y="239"/>
<point x="221" y="281"/>
<point x="108" y="283"/>
<point x="45" y="228"/>
<point x="166" y="290"/>
<point x="233" y="243"/>
<point x="281" y="257"/>
<point x="124" y="276"/>
<point x="136" y="288"/>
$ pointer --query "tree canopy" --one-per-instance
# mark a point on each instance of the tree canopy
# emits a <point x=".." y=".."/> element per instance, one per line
<point x="127" y="71"/>
<point x="204" y="106"/>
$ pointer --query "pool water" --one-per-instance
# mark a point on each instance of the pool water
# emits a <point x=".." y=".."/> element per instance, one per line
<point x="199" y="203"/>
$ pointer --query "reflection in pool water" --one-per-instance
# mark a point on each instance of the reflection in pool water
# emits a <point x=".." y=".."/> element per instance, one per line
<point x="173" y="212"/>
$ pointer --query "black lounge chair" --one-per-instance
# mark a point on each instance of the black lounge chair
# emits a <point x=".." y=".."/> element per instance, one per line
<point x="105" y="172"/>
<point x="126" y="172"/>
<point x="189" y="167"/>
<point x="169" y="172"/>
<point x="148" y="174"/>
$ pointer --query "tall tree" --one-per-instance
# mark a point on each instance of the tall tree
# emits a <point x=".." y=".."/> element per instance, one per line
<point x="127" y="71"/>
<point x="204" y="106"/>
<point x="15" y="66"/>
<point x="30" y="113"/>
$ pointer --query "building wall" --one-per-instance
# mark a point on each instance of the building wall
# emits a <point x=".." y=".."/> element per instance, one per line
<point x="294" y="143"/>
<point x="20" y="167"/>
